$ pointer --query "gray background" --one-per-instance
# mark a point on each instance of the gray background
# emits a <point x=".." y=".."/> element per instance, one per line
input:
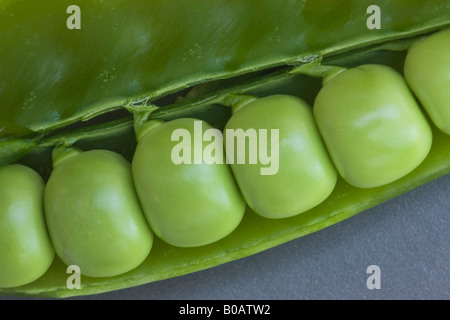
<point x="407" y="237"/>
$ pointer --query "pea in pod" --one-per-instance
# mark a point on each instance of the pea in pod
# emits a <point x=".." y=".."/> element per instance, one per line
<point x="93" y="213"/>
<point x="25" y="248"/>
<point x="188" y="202"/>
<point x="299" y="174"/>
<point x="372" y="126"/>
<point x="426" y="71"/>
<point x="206" y="53"/>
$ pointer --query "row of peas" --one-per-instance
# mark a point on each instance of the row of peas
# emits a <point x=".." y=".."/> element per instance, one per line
<point x="99" y="212"/>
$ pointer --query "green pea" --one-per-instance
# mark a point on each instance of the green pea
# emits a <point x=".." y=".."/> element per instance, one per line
<point x="187" y="204"/>
<point x="299" y="175"/>
<point x="427" y="71"/>
<point x="93" y="214"/>
<point x="372" y="126"/>
<point x="26" y="251"/>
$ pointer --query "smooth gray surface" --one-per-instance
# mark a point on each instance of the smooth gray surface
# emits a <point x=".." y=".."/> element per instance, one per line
<point x="407" y="237"/>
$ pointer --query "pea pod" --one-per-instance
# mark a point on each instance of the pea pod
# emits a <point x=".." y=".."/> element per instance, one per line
<point x="126" y="52"/>
<point x="202" y="60"/>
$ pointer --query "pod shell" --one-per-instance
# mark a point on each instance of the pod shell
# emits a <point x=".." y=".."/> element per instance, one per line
<point x="372" y="126"/>
<point x="128" y="50"/>
<point x="26" y="251"/>
<point x="93" y="214"/>
<point x="304" y="175"/>
<point x="427" y="71"/>
<point x="186" y="204"/>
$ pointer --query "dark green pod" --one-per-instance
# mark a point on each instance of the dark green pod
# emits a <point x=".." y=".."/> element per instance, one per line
<point x="142" y="50"/>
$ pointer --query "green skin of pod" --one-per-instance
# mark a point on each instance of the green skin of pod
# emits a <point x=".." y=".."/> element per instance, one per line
<point x="187" y="205"/>
<point x="427" y="71"/>
<point x="94" y="216"/>
<point x="26" y="251"/>
<point x="306" y="175"/>
<point x="373" y="129"/>
<point x="128" y="50"/>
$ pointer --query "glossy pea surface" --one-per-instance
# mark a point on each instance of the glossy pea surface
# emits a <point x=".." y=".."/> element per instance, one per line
<point x="94" y="216"/>
<point x="187" y="204"/>
<point x="372" y="126"/>
<point x="26" y="251"/>
<point x="305" y="175"/>
<point x="427" y="71"/>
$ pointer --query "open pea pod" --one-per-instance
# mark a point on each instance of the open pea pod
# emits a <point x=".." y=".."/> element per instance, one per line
<point x="128" y="56"/>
